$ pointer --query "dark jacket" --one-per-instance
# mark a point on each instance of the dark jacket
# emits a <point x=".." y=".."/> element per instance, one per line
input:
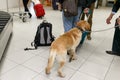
<point x="83" y="3"/>
<point x="116" y="6"/>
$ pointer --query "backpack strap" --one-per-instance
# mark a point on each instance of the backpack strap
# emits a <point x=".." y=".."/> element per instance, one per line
<point x="32" y="44"/>
<point x="29" y="49"/>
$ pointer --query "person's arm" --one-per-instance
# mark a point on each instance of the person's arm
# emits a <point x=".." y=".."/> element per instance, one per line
<point x="115" y="8"/>
<point x="109" y="18"/>
<point x="89" y="3"/>
<point x="60" y="4"/>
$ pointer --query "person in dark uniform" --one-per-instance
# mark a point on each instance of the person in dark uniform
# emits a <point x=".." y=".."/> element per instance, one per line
<point x="116" y="39"/>
<point x="25" y="3"/>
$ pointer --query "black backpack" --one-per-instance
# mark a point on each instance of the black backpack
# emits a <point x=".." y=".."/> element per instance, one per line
<point x="43" y="36"/>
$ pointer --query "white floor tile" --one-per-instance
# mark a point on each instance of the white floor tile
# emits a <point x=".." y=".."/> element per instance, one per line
<point x="82" y="76"/>
<point x="6" y="65"/>
<point x="19" y="73"/>
<point x="101" y="59"/>
<point x="114" y="72"/>
<point x="37" y="63"/>
<point x="20" y="56"/>
<point x="94" y="69"/>
<point x="40" y="77"/>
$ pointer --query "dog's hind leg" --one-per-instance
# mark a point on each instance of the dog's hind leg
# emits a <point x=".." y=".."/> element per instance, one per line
<point x="61" y="59"/>
<point x="60" y="69"/>
<point x="50" y="62"/>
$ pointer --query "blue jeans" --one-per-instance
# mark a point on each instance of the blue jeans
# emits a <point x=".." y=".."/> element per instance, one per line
<point x="69" y="22"/>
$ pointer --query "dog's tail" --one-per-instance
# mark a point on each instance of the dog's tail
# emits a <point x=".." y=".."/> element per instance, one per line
<point x="50" y="61"/>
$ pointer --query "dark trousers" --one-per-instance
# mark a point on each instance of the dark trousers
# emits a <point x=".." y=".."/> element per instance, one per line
<point x="116" y="40"/>
<point x="90" y="15"/>
<point x="25" y="3"/>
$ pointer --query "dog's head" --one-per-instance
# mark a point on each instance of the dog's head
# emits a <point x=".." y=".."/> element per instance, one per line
<point x="84" y="25"/>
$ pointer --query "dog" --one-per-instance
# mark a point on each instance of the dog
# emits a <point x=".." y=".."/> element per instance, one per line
<point x="66" y="43"/>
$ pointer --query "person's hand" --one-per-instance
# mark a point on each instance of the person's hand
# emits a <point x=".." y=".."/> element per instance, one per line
<point x="108" y="20"/>
<point x="86" y="10"/>
<point x="59" y="6"/>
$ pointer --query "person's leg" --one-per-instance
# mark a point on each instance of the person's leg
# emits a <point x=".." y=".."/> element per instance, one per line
<point x="81" y="16"/>
<point x="90" y="19"/>
<point x="77" y="18"/>
<point x="25" y="3"/>
<point x="116" y="39"/>
<point x="67" y="22"/>
<point x="84" y="34"/>
<point x="116" y="42"/>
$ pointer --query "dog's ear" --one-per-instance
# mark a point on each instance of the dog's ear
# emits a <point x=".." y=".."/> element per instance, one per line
<point x="87" y="26"/>
<point x="84" y="25"/>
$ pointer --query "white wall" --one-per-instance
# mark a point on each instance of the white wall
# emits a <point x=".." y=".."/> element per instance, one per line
<point x="3" y="4"/>
<point x="11" y="3"/>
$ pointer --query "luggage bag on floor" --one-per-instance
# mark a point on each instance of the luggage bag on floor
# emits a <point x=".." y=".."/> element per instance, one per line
<point x="43" y="37"/>
<point x="39" y="10"/>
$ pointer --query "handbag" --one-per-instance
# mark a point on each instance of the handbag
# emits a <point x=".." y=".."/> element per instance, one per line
<point x="70" y="8"/>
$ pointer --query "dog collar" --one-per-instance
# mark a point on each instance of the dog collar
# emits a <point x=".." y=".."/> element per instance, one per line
<point x="80" y="28"/>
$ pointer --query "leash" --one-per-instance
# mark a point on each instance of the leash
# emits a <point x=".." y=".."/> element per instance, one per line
<point x="88" y="15"/>
<point x="104" y="29"/>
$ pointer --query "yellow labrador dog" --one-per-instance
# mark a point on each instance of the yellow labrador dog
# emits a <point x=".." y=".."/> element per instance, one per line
<point x="66" y="42"/>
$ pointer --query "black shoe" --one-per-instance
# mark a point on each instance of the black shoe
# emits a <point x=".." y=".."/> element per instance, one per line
<point x="30" y="15"/>
<point x="113" y="53"/>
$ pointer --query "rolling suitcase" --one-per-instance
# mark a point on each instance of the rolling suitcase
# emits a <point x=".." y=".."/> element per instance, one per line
<point x="39" y="10"/>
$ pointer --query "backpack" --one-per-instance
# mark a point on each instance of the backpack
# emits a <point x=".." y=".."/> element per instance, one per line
<point x="43" y="36"/>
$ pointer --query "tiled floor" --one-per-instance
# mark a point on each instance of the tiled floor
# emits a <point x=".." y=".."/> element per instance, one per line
<point x="92" y="62"/>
